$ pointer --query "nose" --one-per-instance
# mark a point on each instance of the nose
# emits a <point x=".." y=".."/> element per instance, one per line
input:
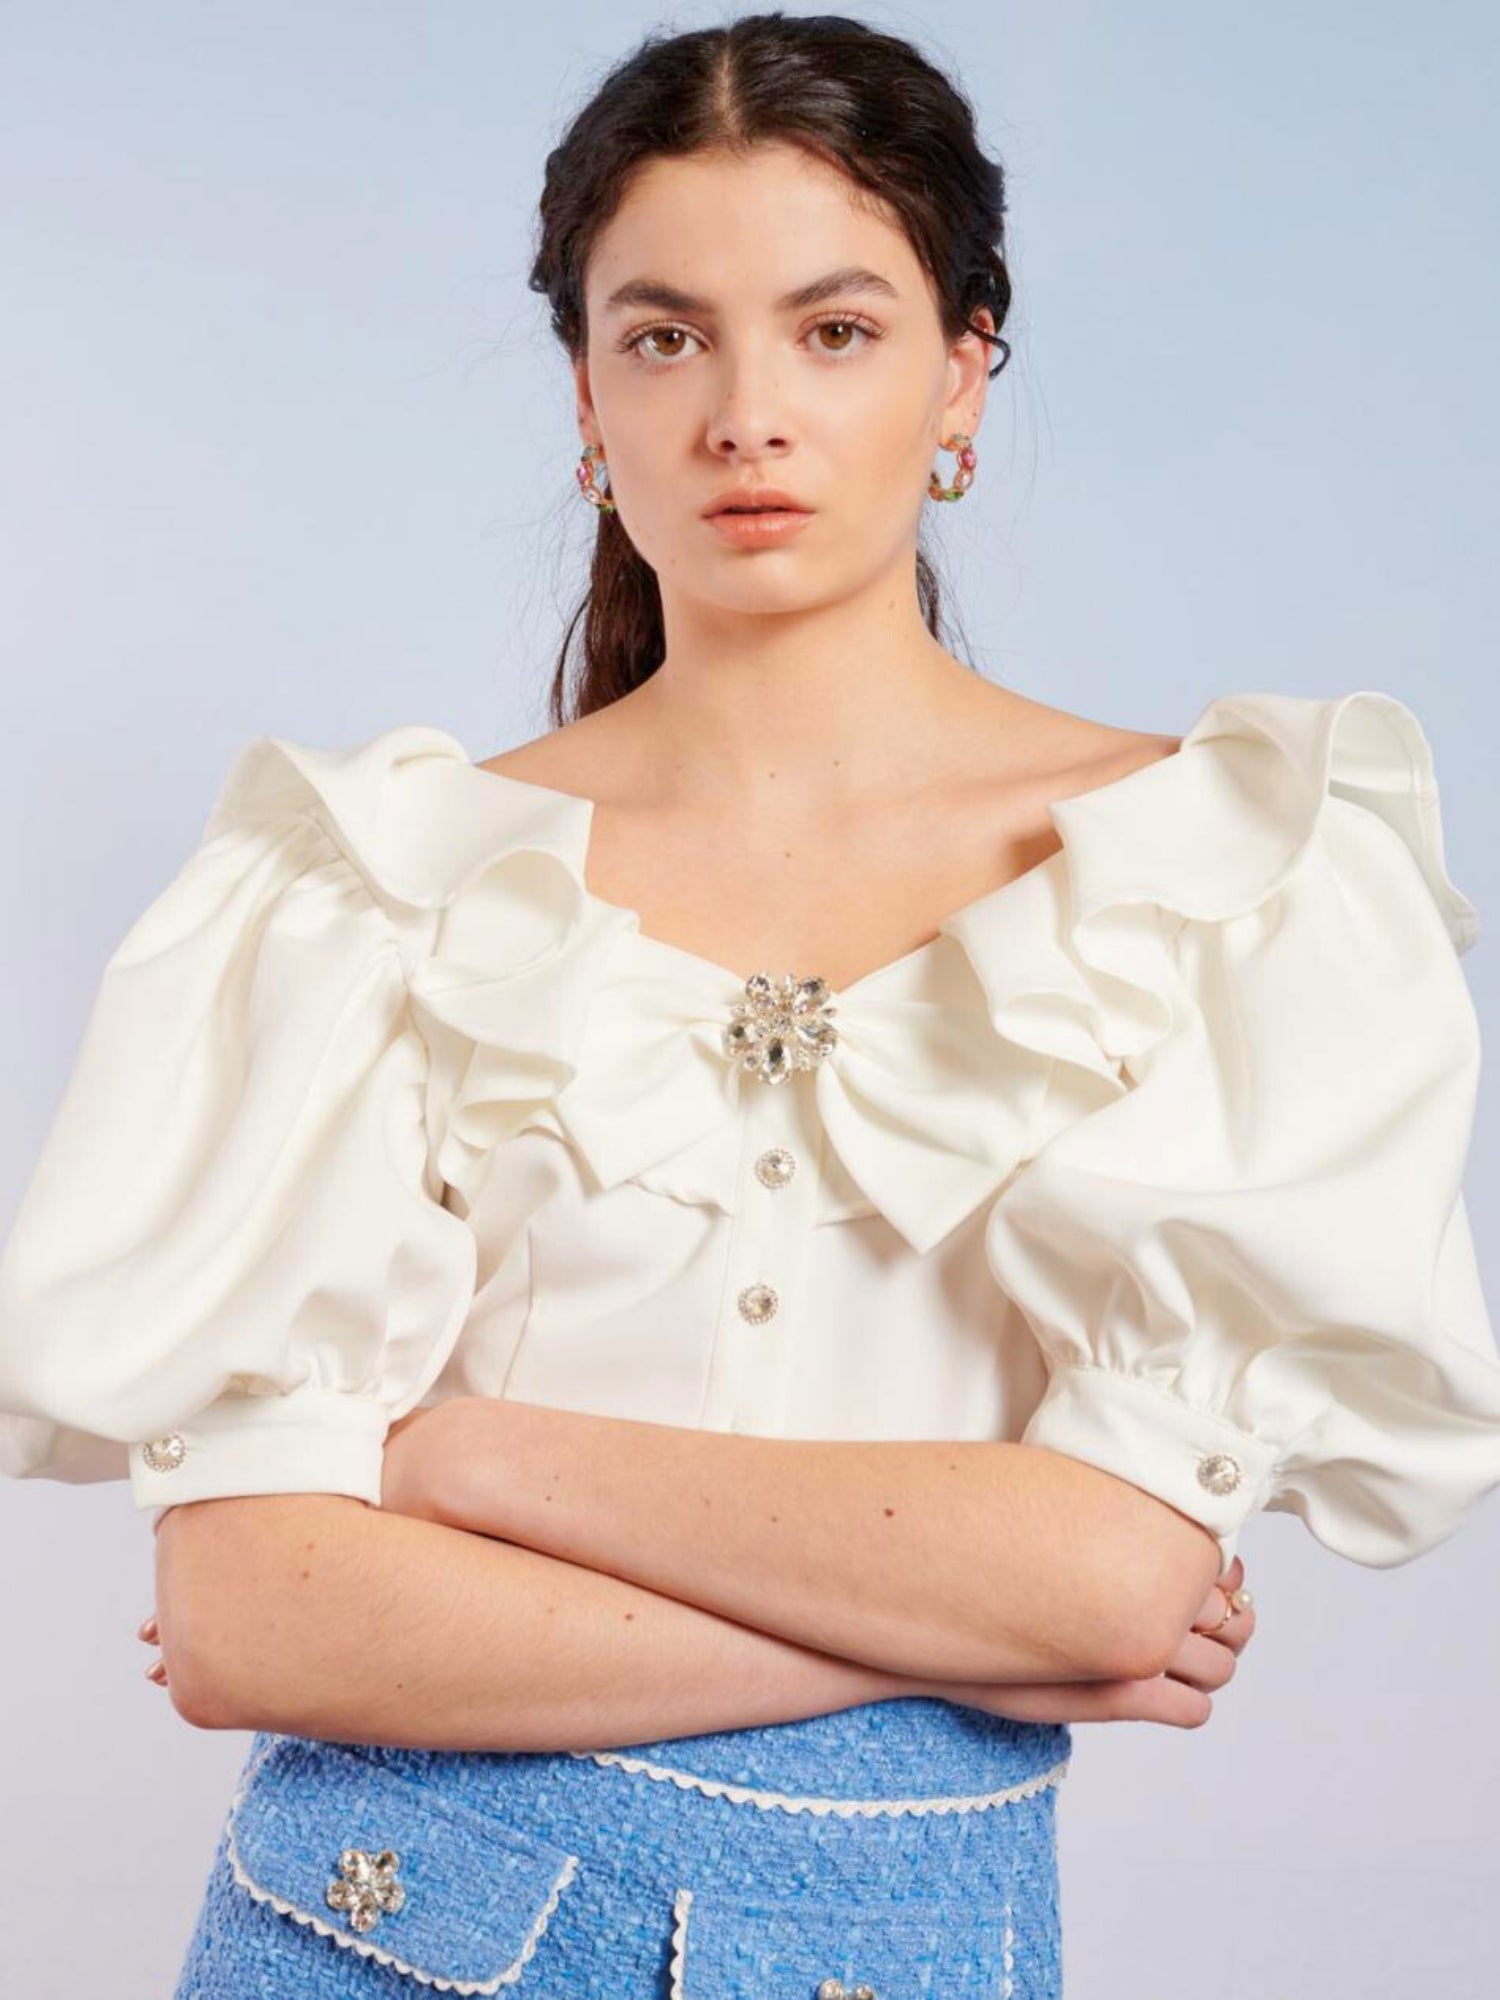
<point x="743" y="432"/>
<point x="749" y="416"/>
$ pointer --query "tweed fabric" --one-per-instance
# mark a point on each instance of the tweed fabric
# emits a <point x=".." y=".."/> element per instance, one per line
<point x="906" y="1845"/>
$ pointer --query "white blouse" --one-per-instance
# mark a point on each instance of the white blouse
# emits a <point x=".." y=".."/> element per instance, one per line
<point x="1152" y="1156"/>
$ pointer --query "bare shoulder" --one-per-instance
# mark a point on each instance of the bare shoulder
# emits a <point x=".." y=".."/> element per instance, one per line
<point x="1062" y="753"/>
<point x="584" y="756"/>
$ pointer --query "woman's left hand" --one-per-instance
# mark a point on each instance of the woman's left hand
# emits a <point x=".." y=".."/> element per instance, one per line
<point x="151" y="1633"/>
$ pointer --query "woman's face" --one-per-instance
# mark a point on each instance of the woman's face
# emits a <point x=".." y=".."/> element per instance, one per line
<point x="704" y="372"/>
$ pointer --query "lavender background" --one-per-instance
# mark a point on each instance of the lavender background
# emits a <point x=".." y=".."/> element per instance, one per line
<point x="288" y="449"/>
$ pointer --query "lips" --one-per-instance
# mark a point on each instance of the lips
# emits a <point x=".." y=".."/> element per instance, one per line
<point x="768" y="500"/>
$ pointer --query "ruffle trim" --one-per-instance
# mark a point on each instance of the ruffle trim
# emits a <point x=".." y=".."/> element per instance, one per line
<point x="1215" y="831"/>
<point x="483" y="879"/>
<point x="682" y="1904"/>
<point x="537" y="1017"/>
<point x="767" y="1801"/>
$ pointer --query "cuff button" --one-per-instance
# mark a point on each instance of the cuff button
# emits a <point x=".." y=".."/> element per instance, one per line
<point x="165" y="1454"/>
<point x="1220" y="1472"/>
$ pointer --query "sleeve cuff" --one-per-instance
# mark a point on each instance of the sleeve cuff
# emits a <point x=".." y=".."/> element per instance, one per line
<point x="1195" y="1460"/>
<point x="312" y="1440"/>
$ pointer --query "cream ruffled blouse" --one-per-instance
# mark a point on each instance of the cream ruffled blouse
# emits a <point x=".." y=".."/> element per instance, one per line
<point x="1152" y="1156"/>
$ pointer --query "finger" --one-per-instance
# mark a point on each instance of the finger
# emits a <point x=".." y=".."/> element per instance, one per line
<point x="1159" y="1699"/>
<point x="1235" y="1632"/>
<point x="1162" y="1699"/>
<point x="1203" y="1663"/>
<point x="157" y="1671"/>
<point x="1223" y="1586"/>
<point x="147" y="1630"/>
<point x="1240" y="1630"/>
<point x="1231" y="1630"/>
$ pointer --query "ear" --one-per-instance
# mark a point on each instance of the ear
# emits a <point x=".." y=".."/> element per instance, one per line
<point x="969" y="362"/>
<point x="588" y="421"/>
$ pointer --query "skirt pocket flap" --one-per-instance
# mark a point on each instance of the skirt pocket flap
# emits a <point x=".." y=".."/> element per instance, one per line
<point x="367" y="1858"/>
<point x="727" y="1945"/>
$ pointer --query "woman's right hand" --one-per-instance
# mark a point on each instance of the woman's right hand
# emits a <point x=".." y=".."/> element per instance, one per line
<point x="1180" y="1697"/>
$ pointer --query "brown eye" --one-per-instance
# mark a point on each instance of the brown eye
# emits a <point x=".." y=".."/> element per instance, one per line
<point x="846" y="326"/>
<point x="663" y="333"/>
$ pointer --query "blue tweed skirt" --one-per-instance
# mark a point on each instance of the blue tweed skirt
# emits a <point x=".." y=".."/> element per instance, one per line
<point x="893" y="1849"/>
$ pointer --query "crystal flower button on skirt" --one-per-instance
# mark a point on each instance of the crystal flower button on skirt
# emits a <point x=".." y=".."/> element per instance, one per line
<point x="366" y="1886"/>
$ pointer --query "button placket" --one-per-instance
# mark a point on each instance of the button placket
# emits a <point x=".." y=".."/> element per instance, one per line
<point x="774" y="1199"/>
<point x="745" y="1267"/>
<point x="779" y="1033"/>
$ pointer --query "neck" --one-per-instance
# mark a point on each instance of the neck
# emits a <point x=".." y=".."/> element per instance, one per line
<point x="841" y="703"/>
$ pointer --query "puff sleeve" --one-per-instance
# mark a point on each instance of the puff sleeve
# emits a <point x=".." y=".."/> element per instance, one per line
<point x="231" y="1269"/>
<point x="1251" y="1273"/>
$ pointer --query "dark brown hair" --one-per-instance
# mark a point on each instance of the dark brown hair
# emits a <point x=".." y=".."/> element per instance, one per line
<point x="864" y="101"/>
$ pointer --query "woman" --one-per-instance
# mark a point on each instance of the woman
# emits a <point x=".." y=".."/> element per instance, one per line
<point x="703" y="1630"/>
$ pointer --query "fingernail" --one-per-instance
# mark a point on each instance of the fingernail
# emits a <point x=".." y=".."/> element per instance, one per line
<point x="147" y="1628"/>
<point x="157" y="1671"/>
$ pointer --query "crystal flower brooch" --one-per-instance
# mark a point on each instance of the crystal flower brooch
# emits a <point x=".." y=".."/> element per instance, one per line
<point x="781" y="1025"/>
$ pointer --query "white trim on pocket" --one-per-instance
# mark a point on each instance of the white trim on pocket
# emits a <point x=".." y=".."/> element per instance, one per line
<point x="523" y="1887"/>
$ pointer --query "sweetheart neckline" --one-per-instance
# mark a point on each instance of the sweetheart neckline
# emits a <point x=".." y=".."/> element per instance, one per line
<point x="891" y="967"/>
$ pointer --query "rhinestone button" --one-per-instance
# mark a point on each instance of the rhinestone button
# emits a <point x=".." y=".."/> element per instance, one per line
<point x="835" y="1989"/>
<point x="775" y="1167"/>
<point x="781" y="1025"/>
<point x="757" y="1303"/>
<point x="365" y="1886"/>
<point x="165" y="1454"/>
<point x="1219" y="1472"/>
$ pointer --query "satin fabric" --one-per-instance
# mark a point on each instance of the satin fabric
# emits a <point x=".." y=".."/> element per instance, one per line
<point x="1153" y="1155"/>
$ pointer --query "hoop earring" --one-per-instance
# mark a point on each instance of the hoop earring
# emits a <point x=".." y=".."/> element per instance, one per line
<point x="590" y="462"/>
<point x="963" y="476"/>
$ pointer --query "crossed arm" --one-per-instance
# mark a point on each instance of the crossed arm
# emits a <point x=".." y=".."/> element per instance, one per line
<point x="542" y="1578"/>
<point x="977" y="1561"/>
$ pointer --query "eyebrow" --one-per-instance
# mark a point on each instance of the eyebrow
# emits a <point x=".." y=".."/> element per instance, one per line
<point x="669" y="298"/>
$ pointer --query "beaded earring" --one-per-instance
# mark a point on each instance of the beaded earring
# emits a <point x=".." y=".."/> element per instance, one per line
<point x="963" y="476"/>
<point x="590" y="463"/>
